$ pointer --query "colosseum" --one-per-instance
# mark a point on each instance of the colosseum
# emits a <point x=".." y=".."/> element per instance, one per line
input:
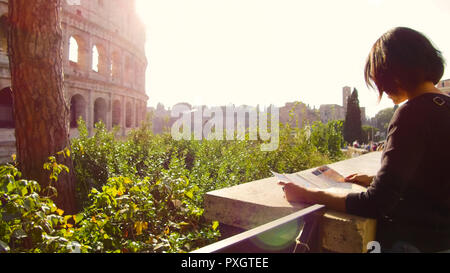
<point x="104" y="67"/>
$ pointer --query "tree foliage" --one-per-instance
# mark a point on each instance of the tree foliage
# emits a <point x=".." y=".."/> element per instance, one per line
<point x="369" y="134"/>
<point x="383" y="118"/>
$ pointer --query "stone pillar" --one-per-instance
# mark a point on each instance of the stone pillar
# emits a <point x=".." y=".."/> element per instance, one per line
<point x="108" y="59"/>
<point x="123" y="126"/>
<point x="122" y="69"/>
<point x="90" y="113"/>
<point x="109" y="112"/>
<point x="89" y="55"/>
<point x="137" y="116"/>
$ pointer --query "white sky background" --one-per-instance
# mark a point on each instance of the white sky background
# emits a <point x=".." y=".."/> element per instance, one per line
<point x="265" y="52"/>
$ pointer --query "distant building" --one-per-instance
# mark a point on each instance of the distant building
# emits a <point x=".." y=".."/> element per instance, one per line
<point x="298" y="114"/>
<point x="329" y="112"/>
<point x="363" y="115"/>
<point x="346" y="93"/>
<point x="444" y="86"/>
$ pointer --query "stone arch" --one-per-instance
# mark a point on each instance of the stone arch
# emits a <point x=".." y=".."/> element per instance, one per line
<point x="6" y="109"/>
<point x="100" y="110"/>
<point x="4" y="26"/>
<point x="129" y="115"/>
<point x="142" y="112"/>
<point x="137" y="115"/>
<point x="77" y="51"/>
<point x="77" y="110"/>
<point x="116" y="113"/>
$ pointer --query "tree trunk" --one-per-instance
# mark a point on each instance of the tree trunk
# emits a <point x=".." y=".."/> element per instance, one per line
<point x="40" y="109"/>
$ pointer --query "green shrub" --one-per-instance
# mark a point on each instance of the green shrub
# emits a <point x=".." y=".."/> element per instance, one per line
<point x="328" y="138"/>
<point x="124" y="216"/>
<point x="145" y="193"/>
<point x="29" y="220"/>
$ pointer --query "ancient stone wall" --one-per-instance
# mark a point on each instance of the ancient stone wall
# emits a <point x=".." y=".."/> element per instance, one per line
<point x="104" y="63"/>
<point x="444" y="86"/>
<point x="104" y="67"/>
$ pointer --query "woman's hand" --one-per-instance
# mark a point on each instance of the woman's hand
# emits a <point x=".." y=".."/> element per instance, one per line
<point x="360" y="179"/>
<point x="295" y="193"/>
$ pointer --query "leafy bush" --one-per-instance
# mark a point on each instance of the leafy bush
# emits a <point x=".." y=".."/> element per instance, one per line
<point x="139" y="216"/>
<point x="29" y="220"/>
<point x="124" y="216"/>
<point x="145" y="193"/>
<point x="328" y="138"/>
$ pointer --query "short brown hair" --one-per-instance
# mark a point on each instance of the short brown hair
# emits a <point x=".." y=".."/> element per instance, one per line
<point x="403" y="58"/>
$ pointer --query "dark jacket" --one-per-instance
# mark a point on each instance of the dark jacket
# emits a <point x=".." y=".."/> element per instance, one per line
<point x="410" y="196"/>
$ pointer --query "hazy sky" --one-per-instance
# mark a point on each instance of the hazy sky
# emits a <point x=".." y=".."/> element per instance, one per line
<point x="265" y="52"/>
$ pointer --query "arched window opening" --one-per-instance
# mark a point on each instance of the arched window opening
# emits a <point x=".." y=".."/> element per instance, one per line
<point x="6" y="109"/>
<point x="4" y="34"/>
<point x="77" y="110"/>
<point x="73" y="50"/>
<point x="116" y="113"/>
<point x="100" y="109"/>
<point x="95" y="59"/>
<point x="99" y="59"/>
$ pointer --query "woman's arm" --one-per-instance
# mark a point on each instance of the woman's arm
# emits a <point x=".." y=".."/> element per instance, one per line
<point x="402" y="156"/>
<point x="332" y="200"/>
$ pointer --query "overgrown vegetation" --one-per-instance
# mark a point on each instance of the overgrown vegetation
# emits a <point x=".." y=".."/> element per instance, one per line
<point x="145" y="193"/>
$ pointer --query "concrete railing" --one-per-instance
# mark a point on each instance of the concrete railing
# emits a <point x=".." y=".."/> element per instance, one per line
<point x="253" y="204"/>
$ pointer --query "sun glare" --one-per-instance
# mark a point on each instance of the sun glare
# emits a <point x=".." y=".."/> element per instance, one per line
<point x="375" y="2"/>
<point x="141" y="8"/>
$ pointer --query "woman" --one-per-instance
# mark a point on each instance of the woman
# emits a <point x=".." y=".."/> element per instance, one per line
<point x="410" y="196"/>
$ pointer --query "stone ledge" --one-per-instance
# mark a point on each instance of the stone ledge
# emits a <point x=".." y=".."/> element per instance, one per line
<point x="256" y="203"/>
<point x="344" y="233"/>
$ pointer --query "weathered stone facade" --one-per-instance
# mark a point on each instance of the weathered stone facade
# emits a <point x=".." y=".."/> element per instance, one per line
<point x="329" y="112"/>
<point x="104" y="65"/>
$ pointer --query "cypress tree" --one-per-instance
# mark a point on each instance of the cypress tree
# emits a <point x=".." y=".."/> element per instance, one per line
<point x="353" y="124"/>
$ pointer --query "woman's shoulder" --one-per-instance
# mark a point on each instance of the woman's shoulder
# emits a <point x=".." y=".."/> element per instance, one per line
<point x="429" y="105"/>
<point x="430" y="100"/>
